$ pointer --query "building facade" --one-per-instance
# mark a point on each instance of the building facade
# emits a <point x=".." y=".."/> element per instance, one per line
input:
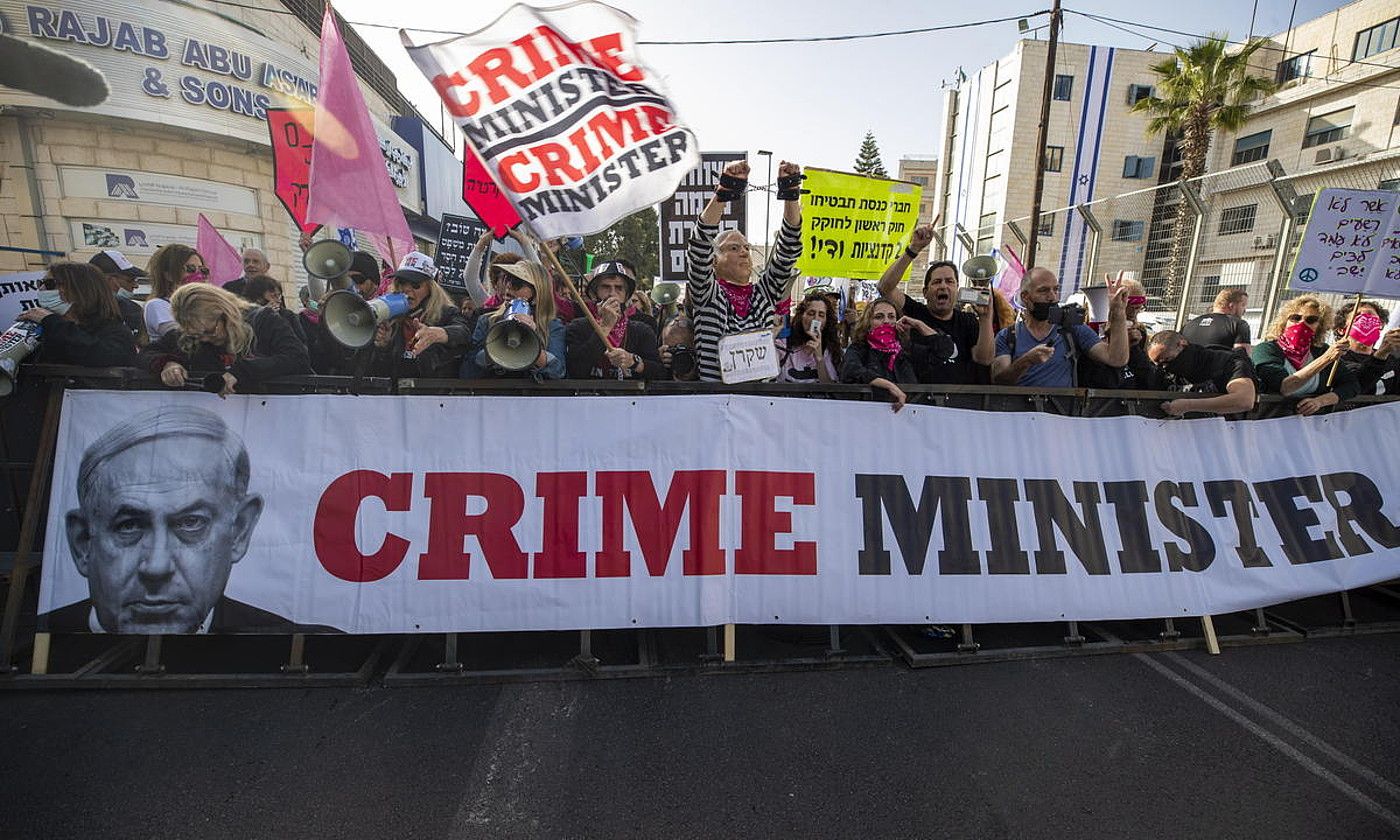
<point x="1334" y="121"/>
<point x="1096" y="146"/>
<point x="921" y="170"/>
<point x="183" y="131"/>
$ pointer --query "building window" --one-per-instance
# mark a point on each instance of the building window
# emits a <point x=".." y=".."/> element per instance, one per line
<point x="1237" y="219"/>
<point x="1392" y="184"/>
<point x="1064" y="86"/>
<point x="1327" y="128"/>
<point x="1210" y="287"/>
<point x="1125" y="230"/>
<point x="1302" y="208"/>
<point x="1139" y="167"/>
<point x="1137" y="93"/>
<point x="1054" y="158"/>
<point x="1375" y="40"/>
<point x="1047" y="225"/>
<point x="1252" y="148"/>
<point x="921" y="180"/>
<point x="1297" y="67"/>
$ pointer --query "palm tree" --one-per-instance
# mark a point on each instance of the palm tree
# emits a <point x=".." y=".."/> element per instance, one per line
<point x="1202" y="89"/>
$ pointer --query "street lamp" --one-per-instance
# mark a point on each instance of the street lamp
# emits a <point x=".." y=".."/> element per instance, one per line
<point x="768" y="203"/>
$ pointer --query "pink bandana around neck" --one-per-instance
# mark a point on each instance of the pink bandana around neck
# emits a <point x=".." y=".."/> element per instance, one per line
<point x="740" y="297"/>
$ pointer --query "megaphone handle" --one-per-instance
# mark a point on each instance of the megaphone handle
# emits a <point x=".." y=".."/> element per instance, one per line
<point x="583" y="305"/>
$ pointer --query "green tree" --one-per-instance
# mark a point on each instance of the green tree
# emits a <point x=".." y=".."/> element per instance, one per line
<point x="1201" y="90"/>
<point x="868" y="159"/>
<point x="636" y="238"/>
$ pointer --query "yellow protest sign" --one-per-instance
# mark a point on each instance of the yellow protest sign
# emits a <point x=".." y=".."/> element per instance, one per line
<point x="854" y="226"/>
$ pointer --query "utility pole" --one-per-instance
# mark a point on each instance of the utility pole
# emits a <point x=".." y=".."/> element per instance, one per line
<point x="1042" y="133"/>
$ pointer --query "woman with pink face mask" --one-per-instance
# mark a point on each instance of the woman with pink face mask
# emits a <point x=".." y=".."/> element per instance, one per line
<point x="170" y="268"/>
<point x="1295" y="361"/>
<point x="1373" y="358"/>
<point x="881" y="353"/>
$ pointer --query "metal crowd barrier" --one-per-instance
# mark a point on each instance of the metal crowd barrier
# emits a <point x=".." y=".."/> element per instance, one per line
<point x="28" y="433"/>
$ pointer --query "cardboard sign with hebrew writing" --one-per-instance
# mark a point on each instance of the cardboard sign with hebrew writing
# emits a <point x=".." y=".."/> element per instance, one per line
<point x="1351" y="244"/>
<point x="854" y="226"/>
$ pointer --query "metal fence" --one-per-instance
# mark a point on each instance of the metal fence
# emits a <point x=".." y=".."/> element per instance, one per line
<point x="28" y="427"/>
<point x="1187" y="240"/>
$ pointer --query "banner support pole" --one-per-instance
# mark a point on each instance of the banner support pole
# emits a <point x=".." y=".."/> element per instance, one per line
<point x="573" y="290"/>
<point x="1212" y="643"/>
<point x="1346" y="336"/>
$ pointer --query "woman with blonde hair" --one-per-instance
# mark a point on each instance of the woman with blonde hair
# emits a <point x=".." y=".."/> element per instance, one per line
<point x="529" y="300"/>
<point x="171" y="267"/>
<point x="224" y="340"/>
<point x="1295" y="361"/>
<point x="428" y="342"/>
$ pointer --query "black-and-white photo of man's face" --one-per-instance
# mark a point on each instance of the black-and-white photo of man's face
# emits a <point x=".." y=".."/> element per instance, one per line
<point x="159" y="526"/>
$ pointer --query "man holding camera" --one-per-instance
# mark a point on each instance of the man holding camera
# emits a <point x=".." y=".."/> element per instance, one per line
<point x="1041" y="349"/>
<point x="960" y="341"/>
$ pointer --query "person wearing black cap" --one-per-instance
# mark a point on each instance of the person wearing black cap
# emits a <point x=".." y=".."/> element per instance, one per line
<point x="124" y="277"/>
<point x="364" y="274"/>
<point x="633" y="354"/>
<point x="430" y="339"/>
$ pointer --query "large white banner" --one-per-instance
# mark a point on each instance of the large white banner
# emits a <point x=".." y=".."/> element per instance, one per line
<point x="576" y="131"/>
<point x="180" y="512"/>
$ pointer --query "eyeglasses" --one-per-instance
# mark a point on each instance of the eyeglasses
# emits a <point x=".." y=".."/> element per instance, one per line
<point x="202" y="272"/>
<point x="206" y="332"/>
<point x="1310" y="320"/>
<point x="516" y="283"/>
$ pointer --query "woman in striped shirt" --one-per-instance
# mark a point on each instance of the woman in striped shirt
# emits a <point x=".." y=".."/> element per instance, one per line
<point x="720" y="267"/>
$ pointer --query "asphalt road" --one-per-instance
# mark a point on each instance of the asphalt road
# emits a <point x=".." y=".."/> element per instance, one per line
<point x="1298" y="740"/>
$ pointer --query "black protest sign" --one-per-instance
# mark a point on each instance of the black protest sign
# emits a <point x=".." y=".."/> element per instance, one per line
<point x="456" y="239"/>
<point x="679" y="212"/>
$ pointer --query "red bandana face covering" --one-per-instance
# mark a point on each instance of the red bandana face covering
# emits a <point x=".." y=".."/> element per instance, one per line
<point x="1366" y="328"/>
<point x="740" y="297"/>
<point x="1296" y="343"/>
<point x="884" y="339"/>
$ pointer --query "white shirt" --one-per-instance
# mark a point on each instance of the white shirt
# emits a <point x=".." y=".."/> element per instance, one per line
<point x="160" y="319"/>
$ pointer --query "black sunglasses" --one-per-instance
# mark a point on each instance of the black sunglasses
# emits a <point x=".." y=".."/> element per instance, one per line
<point x="1310" y="320"/>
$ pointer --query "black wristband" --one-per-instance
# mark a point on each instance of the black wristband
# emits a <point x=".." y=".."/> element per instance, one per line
<point x="730" y="188"/>
<point x="788" y="187"/>
<point x="910" y="252"/>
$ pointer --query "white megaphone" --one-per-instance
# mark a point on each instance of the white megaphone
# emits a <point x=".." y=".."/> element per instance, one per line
<point x="665" y="294"/>
<point x="1097" y="298"/>
<point x="351" y="319"/>
<point x="326" y="260"/>
<point x="16" y="343"/>
<point x="980" y="268"/>
<point x="512" y="346"/>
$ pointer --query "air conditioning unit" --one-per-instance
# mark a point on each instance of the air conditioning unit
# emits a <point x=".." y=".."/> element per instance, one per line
<point x="1338" y="153"/>
<point x="1262" y="241"/>
<point x="1259" y="242"/>
<point x="1323" y="155"/>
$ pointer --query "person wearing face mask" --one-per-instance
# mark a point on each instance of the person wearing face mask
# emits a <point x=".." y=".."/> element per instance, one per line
<point x="811" y="351"/>
<point x="80" y="320"/>
<point x="428" y="342"/>
<point x="1294" y="361"/>
<point x="1375" y="361"/>
<point x="724" y="299"/>
<point x="224" y="342"/>
<point x="1037" y="353"/>
<point x="1139" y="374"/>
<point x="879" y="353"/>
<point x="171" y="267"/>
<point x="633" y="354"/>
<point x="529" y="300"/>
<point x="964" y="344"/>
<point x="1226" y="376"/>
<point x="124" y="278"/>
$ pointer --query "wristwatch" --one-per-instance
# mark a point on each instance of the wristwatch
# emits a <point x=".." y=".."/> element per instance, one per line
<point x="636" y="362"/>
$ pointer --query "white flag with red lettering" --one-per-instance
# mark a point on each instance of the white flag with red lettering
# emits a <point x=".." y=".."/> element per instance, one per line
<point x="575" y="130"/>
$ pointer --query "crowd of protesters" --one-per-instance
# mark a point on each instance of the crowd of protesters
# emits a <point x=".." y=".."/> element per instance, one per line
<point x="602" y="325"/>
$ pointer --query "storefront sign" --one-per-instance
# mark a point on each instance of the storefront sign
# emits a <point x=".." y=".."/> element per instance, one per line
<point x="132" y="238"/>
<point x="153" y="188"/>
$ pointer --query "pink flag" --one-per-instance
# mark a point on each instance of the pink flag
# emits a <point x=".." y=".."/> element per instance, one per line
<point x="221" y="258"/>
<point x="1009" y="284"/>
<point x="349" y="183"/>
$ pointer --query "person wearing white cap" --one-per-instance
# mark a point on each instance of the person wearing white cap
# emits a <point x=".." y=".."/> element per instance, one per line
<point x="124" y="278"/>
<point x="429" y="341"/>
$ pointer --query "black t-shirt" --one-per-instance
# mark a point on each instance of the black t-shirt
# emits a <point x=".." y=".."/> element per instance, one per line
<point x="1375" y="376"/>
<point x="950" y="362"/>
<point x="1210" y="369"/>
<point x="1216" y="329"/>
